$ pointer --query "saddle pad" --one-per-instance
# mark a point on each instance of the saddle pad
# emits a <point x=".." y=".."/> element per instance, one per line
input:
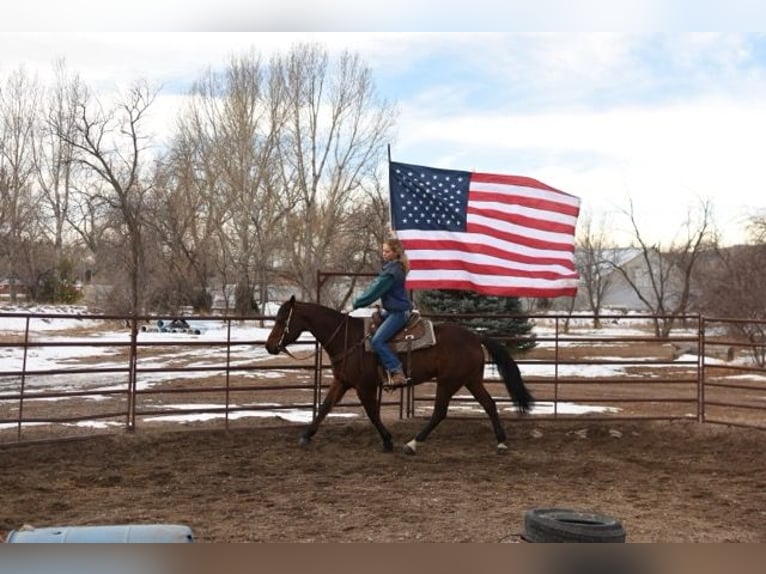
<point x="422" y="333"/>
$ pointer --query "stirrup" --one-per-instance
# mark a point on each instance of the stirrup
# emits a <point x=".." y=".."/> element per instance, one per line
<point x="383" y="376"/>
<point x="392" y="384"/>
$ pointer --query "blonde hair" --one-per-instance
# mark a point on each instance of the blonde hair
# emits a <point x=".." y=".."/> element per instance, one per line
<point x="396" y="246"/>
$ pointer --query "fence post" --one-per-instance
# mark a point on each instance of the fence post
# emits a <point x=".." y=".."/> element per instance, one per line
<point x="23" y="379"/>
<point x="701" y="369"/>
<point x="132" y="370"/>
<point x="228" y="373"/>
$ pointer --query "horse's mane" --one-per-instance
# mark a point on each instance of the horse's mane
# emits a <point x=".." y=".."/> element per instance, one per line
<point x="329" y="314"/>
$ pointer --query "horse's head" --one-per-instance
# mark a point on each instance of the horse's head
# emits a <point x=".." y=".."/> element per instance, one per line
<point x="286" y="328"/>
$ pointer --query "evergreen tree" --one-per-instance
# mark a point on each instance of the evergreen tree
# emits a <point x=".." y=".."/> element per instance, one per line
<point x="449" y="302"/>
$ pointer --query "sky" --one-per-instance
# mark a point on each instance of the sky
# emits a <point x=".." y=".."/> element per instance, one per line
<point x="660" y="120"/>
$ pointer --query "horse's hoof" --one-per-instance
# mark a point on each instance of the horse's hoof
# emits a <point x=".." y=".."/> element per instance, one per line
<point x="501" y="448"/>
<point x="411" y="446"/>
<point x="304" y="441"/>
<point x="388" y="447"/>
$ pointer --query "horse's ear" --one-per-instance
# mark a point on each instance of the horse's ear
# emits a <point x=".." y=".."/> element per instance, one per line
<point x="292" y="300"/>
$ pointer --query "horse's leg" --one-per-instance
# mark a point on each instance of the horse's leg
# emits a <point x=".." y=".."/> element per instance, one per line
<point x="480" y="393"/>
<point x="444" y="392"/>
<point x="334" y="395"/>
<point x="368" y="396"/>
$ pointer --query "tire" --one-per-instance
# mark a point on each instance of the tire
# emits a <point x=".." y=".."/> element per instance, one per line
<point x="563" y="525"/>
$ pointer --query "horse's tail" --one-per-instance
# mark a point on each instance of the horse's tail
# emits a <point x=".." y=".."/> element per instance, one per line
<point x="510" y="372"/>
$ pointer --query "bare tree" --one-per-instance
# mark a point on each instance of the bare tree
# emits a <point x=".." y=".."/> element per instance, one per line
<point x="331" y="146"/>
<point x="732" y="283"/>
<point x="368" y="227"/>
<point x="665" y="285"/>
<point x="54" y="165"/>
<point x="285" y="156"/>
<point x="756" y="228"/>
<point x="272" y="176"/>
<point x="187" y="223"/>
<point x="112" y="144"/>
<point x="19" y="216"/>
<point x="255" y="114"/>
<point x="233" y="127"/>
<point x="594" y="261"/>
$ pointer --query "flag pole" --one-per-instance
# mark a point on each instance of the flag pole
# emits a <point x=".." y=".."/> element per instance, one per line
<point x="390" y="209"/>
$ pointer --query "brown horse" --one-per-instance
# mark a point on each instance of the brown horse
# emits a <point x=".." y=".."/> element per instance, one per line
<point x="456" y="360"/>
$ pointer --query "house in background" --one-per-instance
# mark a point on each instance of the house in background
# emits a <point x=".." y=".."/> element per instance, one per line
<point x="11" y="288"/>
<point x="619" y="295"/>
<point x="621" y="267"/>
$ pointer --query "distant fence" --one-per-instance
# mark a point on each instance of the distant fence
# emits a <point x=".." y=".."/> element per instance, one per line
<point x="733" y="381"/>
<point x="56" y="385"/>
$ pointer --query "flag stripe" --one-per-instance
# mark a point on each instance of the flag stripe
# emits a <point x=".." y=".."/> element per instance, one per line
<point x="488" y="269"/>
<point x="440" y="256"/>
<point x="529" y="225"/>
<point x="476" y="283"/>
<point x="490" y="280"/>
<point x="540" y="217"/>
<point x="546" y="200"/>
<point x="491" y="233"/>
<point x="518" y="235"/>
<point x="520" y="181"/>
<point x="481" y="245"/>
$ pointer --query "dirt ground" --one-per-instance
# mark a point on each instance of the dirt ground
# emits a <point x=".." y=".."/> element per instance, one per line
<point x="665" y="481"/>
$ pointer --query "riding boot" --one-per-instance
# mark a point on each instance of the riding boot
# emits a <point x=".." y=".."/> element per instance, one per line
<point x="383" y="375"/>
<point x="397" y="378"/>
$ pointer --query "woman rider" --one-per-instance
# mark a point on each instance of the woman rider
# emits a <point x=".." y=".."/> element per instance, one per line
<point x="389" y="287"/>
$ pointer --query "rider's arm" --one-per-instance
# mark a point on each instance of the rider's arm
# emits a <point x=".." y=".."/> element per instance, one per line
<point x="377" y="288"/>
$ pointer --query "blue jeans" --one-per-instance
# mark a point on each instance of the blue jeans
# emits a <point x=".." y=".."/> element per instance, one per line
<point x="393" y="321"/>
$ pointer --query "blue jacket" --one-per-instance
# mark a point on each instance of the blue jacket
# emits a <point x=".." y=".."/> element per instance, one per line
<point x="389" y="287"/>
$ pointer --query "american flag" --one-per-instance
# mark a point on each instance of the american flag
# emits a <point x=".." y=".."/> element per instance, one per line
<point x="504" y="235"/>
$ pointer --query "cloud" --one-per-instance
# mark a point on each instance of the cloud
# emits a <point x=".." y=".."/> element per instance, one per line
<point x="395" y="15"/>
<point x="666" y="119"/>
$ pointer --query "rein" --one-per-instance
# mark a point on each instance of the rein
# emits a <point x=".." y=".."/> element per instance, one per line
<point x="346" y="349"/>
<point x="340" y="356"/>
<point x="292" y="355"/>
<point x="282" y="345"/>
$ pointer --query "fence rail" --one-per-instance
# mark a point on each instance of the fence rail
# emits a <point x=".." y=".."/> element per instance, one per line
<point x="104" y="374"/>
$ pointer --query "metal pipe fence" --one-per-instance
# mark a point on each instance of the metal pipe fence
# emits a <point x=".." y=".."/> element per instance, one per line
<point x="733" y="389"/>
<point x="109" y="375"/>
<point x="574" y="373"/>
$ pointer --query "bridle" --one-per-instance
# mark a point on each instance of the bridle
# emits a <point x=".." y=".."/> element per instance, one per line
<point x="282" y="347"/>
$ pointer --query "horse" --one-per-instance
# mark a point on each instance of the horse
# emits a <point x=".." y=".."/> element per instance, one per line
<point x="455" y="360"/>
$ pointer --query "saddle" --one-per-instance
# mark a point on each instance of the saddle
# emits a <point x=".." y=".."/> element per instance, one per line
<point x="417" y="333"/>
